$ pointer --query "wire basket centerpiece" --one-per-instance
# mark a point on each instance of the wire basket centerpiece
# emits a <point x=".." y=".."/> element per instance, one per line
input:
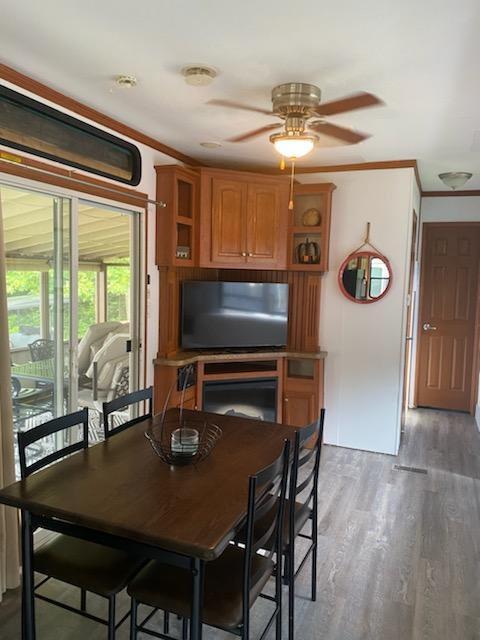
<point x="181" y="439"/>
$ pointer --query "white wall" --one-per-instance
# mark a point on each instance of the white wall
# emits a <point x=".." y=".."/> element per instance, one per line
<point x="453" y="209"/>
<point x="365" y="343"/>
<point x="150" y="158"/>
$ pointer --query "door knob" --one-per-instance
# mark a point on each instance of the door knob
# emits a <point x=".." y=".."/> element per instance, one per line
<point x="428" y="327"/>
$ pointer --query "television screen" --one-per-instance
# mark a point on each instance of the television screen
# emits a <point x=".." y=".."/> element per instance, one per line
<point x="234" y="314"/>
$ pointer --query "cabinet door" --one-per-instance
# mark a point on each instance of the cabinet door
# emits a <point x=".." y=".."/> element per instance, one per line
<point x="229" y="200"/>
<point x="299" y="408"/>
<point x="264" y="225"/>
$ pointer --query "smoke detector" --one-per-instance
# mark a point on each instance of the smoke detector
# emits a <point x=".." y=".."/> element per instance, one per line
<point x="199" y="75"/>
<point x="126" y="81"/>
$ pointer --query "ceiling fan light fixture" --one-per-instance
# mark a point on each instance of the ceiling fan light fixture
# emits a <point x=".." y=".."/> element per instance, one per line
<point x="454" y="179"/>
<point x="293" y="146"/>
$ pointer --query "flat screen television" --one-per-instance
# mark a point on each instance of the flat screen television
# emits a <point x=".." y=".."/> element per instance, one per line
<point x="233" y="315"/>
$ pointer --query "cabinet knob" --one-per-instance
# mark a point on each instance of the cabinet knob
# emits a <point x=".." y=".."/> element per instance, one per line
<point x="286" y="399"/>
<point x="244" y="254"/>
<point x="250" y="254"/>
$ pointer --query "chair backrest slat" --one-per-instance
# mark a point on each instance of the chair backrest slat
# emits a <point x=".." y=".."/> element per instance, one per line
<point x="304" y="484"/>
<point x="303" y="459"/>
<point x="267" y="503"/>
<point x="52" y="427"/>
<point x="124" y="402"/>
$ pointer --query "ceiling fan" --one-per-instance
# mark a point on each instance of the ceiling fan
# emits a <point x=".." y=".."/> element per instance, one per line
<point x="298" y="105"/>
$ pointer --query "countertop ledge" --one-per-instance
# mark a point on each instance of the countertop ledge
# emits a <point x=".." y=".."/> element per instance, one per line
<point x="182" y="358"/>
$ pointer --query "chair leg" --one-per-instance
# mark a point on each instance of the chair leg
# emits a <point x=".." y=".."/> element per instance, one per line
<point x="291" y="590"/>
<point x="83" y="600"/>
<point x="245" y="634"/>
<point x="111" y="618"/>
<point x="314" y="549"/>
<point x="314" y="571"/>
<point x="166" y="622"/>
<point x="184" y="629"/>
<point x="133" y="620"/>
<point x="278" y="598"/>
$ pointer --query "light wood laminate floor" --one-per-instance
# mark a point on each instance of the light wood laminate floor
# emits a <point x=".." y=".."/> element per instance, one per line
<point x="398" y="551"/>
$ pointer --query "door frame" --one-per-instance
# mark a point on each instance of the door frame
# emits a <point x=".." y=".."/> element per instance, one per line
<point x="476" y="339"/>
<point x="409" y="330"/>
<point x="139" y="238"/>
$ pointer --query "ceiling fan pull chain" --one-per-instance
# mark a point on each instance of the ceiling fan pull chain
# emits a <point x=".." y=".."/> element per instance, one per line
<point x="290" y="203"/>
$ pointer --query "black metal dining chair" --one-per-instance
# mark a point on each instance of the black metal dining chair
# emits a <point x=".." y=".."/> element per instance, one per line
<point x="110" y="411"/>
<point x="235" y="580"/>
<point x="90" y="567"/>
<point x="300" y="512"/>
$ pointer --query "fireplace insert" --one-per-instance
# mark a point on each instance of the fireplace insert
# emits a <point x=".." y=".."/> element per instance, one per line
<point x="255" y="398"/>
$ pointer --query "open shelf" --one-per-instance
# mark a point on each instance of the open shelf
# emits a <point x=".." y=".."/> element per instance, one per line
<point x="177" y="187"/>
<point x="309" y="228"/>
<point x="184" y="199"/>
<point x="253" y="366"/>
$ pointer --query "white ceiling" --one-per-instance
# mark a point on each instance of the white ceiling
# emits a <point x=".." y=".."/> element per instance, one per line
<point x="420" y="56"/>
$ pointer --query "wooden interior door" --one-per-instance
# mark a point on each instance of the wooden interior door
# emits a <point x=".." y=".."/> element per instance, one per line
<point x="263" y="225"/>
<point x="447" y="315"/>
<point x="229" y="203"/>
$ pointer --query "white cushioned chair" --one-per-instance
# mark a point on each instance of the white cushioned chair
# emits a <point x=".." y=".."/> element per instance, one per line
<point x="102" y="362"/>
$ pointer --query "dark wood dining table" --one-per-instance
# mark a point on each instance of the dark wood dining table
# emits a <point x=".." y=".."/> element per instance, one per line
<point x="119" y="493"/>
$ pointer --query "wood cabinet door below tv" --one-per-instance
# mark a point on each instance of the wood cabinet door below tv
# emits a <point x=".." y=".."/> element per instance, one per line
<point x="299" y="408"/>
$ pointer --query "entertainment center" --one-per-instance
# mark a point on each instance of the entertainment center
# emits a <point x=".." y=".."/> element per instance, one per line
<point x="240" y="281"/>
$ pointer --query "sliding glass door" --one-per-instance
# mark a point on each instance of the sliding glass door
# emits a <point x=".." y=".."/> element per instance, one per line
<point x="73" y="288"/>
<point x="108" y="303"/>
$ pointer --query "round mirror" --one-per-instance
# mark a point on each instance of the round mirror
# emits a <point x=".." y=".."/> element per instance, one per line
<point x="365" y="277"/>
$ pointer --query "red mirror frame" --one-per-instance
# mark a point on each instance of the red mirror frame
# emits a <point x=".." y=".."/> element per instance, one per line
<point x="368" y="254"/>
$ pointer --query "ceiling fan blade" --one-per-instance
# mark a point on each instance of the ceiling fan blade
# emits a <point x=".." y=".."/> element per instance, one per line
<point x="350" y="103"/>
<point x="334" y="131"/>
<point x="256" y="132"/>
<point x="238" y="105"/>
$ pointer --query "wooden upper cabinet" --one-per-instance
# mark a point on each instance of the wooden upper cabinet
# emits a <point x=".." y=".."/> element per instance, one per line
<point x="228" y="238"/>
<point x="265" y="231"/>
<point x="243" y="220"/>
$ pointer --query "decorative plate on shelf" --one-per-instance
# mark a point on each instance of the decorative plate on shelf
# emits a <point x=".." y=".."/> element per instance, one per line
<point x="311" y="218"/>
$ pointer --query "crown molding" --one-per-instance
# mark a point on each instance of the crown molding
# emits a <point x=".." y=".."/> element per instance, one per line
<point x="357" y="166"/>
<point x="47" y="93"/>
<point x="451" y="194"/>
<point x="367" y="166"/>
